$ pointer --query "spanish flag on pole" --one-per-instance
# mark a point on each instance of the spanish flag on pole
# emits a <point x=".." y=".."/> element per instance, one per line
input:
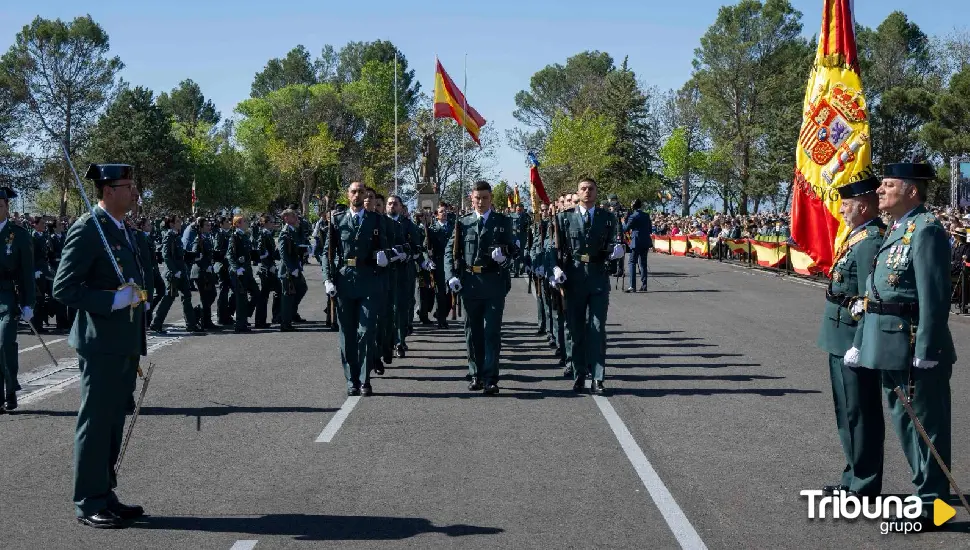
<point x="834" y="144"/>
<point x="449" y="102"/>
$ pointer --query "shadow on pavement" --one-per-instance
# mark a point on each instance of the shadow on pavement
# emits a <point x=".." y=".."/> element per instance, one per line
<point x="197" y="411"/>
<point x="314" y="527"/>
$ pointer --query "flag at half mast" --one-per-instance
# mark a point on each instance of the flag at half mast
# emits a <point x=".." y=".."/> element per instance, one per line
<point x="450" y="102"/>
<point x="834" y="146"/>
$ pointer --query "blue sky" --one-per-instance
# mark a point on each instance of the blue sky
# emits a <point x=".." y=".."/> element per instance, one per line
<point x="221" y="45"/>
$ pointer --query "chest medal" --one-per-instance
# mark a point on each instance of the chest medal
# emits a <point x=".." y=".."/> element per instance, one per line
<point x="837" y="276"/>
<point x="893" y="280"/>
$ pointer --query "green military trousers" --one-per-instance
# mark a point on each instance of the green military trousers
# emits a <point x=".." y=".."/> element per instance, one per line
<point x="106" y="385"/>
<point x="483" y="337"/>
<point x="931" y="403"/>
<point x="293" y="289"/>
<point x="174" y="286"/>
<point x="9" y="360"/>
<point x="358" y="337"/>
<point x="586" y="331"/>
<point x="856" y="392"/>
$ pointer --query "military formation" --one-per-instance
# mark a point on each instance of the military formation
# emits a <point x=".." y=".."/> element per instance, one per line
<point x="885" y="328"/>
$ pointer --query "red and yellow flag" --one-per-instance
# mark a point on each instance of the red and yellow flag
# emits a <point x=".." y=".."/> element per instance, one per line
<point x="834" y="144"/>
<point x="449" y="102"/>
<point x="516" y="197"/>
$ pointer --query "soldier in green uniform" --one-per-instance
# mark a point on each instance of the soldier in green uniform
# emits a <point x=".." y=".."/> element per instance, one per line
<point x="269" y="282"/>
<point x="438" y="240"/>
<point x="412" y="251"/>
<point x="537" y="256"/>
<point x="17" y="295"/>
<point x="904" y="332"/>
<point x="559" y="334"/>
<point x="388" y="279"/>
<point x="176" y="279"/>
<point x="588" y="238"/>
<point x="290" y="269"/>
<point x="521" y="221"/>
<point x="42" y="273"/>
<point x="239" y="257"/>
<point x="486" y="243"/>
<point x="856" y="391"/>
<point x="221" y="246"/>
<point x="358" y="255"/>
<point x="109" y="336"/>
<point x="203" y="272"/>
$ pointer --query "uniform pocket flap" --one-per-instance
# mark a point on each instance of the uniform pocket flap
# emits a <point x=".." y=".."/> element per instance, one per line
<point x="890" y="323"/>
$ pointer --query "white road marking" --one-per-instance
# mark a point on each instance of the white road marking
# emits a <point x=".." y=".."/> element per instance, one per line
<point x="244" y="545"/>
<point x="326" y="436"/>
<point x="38" y="346"/>
<point x="676" y="519"/>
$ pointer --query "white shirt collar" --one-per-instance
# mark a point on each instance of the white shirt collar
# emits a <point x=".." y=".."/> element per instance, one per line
<point x="484" y="216"/>
<point x="4" y="223"/>
<point x="582" y="210"/>
<point x="120" y="225"/>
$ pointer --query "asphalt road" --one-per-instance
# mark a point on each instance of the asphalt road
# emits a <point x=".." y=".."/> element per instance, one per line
<point x="720" y="412"/>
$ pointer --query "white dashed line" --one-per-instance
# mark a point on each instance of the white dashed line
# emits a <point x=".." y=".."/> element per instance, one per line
<point x="676" y="519"/>
<point x="38" y="346"/>
<point x="328" y="433"/>
<point x="244" y="545"/>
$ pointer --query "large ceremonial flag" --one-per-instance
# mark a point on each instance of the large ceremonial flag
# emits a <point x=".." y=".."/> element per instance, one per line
<point x="833" y="146"/>
<point x="535" y="184"/>
<point x="194" y="198"/>
<point x="517" y="200"/>
<point x="449" y="102"/>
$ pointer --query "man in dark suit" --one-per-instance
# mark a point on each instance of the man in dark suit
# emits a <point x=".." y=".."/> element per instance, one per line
<point x="639" y="227"/>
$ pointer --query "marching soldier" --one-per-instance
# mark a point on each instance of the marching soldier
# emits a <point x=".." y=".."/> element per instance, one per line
<point x="521" y="221"/>
<point x="42" y="273"/>
<point x="224" y="307"/>
<point x="403" y="289"/>
<point x="904" y="333"/>
<point x="425" y="276"/>
<point x="55" y="245"/>
<point x="239" y="257"/>
<point x="855" y="390"/>
<point x="638" y="225"/>
<point x="269" y="282"/>
<point x="176" y="279"/>
<point x="438" y="240"/>
<point x="203" y="272"/>
<point x="109" y="336"/>
<point x="588" y="238"/>
<point x="17" y="295"/>
<point x="290" y="270"/>
<point x="476" y="258"/>
<point x="359" y="254"/>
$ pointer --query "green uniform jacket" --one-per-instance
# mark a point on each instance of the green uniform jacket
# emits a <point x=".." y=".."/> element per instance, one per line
<point x="912" y="266"/>
<point x="147" y="250"/>
<point x="202" y="247"/>
<point x="174" y="254"/>
<point x="239" y="252"/>
<point x="848" y="279"/>
<point x="475" y="250"/>
<point x="596" y="244"/>
<point x="289" y="251"/>
<point x="266" y="248"/>
<point x="362" y="245"/>
<point x="40" y="255"/>
<point x="17" y="265"/>
<point x="87" y="281"/>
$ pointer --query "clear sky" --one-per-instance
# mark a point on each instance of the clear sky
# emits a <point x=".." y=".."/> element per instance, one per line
<point x="221" y="45"/>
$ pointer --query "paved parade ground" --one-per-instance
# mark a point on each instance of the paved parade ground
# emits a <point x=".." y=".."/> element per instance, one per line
<point x="719" y="413"/>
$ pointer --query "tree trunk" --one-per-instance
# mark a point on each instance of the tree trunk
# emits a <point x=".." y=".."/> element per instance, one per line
<point x="685" y="194"/>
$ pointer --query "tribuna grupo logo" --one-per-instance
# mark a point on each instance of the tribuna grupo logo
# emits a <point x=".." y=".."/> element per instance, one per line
<point x="897" y="514"/>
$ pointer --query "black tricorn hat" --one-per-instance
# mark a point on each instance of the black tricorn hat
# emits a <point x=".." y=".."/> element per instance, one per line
<point x="102" y="173"/>
<point x="858" y="188"/>
<point x="7" y="193"/>
<point x="909" y="171"/>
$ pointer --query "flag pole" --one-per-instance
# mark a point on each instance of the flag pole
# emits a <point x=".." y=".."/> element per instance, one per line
<point x="395" y="122"/>
<point x="464" y="124"/>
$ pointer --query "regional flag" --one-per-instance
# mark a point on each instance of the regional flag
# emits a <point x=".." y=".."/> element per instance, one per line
<point x="449" y="102"/>
<point x="834" y="143"/>
<point x="517" y="199"/>
<point x="535" y="183"/>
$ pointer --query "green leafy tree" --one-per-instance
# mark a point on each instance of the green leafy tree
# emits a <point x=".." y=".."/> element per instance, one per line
<point x="296" y="68"/>
<point x="188" y="106"/>
<point x="580" y="147"/>
<point x="683" y="162"/>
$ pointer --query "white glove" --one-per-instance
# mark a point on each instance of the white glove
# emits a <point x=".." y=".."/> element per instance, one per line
<point x="313" y="250"/>
<point x="851" y="358"/>
<point x="618" y="252"/>
<point x="123" y="298"/>
<point x="540" y="271"/>
<point x="558" y="275"/>
<point x="27" y="314"/>
<point x="264" y="255"/>
<point x="295" y="272"/>
<point x="330" y="288"/>
<point x="240" y="271"/>
<point x="178" y="274"/>
<point x="498" y="256"/>
<point x="209" y="269"/>
<point x="518" y="244"/>
<point x="37" y="274"/>
<point x="454" y="284"/>
<point x="427" y="265"/>
<point x="401" y="256"/>
<point x="924" y="363"/>
<point x="552" y="281"/>
<point x="857" y="308"/>
<point x="381" y="259"/>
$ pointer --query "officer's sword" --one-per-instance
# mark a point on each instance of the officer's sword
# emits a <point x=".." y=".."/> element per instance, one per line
<point x="134" y="416"/>
<point x="37" y="334"/>
<point x="904" y="399"/>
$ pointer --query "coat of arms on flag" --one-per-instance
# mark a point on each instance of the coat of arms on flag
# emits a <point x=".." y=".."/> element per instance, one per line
<point x="831" y="120"/>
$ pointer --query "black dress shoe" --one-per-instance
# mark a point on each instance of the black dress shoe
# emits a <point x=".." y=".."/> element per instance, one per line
<point x="353" y="391"/>
<point x="491" y="389"/>
<point x="475" y="384"/>
<point x="11" y="403"/>
<point x="552" y="344"/>
<point x="126" y="512"/>
<point x="286" y="328"/>
<point x="243" y="330"/>
<point x="540" y="332"/>
<point x="426" y="321"/>
<point x="159" y="332"/>
<point x="298" y="319"/>
<point x="579" y="386"/>
<point x="261" y="325"/>
<point x="401" y="352"/>
<point x="105" y="519"/>
<point x="567" y="372"/>
<point x="196" y="330"/>
<point x="832" y="489"/>
<point x="379" y="368"/>
<point x="597" y="388"/>
<point x="629" y="290"/>
<point x="366" y="390"/>
<point x="442" y="324"/>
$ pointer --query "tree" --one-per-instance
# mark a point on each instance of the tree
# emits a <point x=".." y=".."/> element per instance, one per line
<point x="61" y="77"/>
<point x="17" y="170"/>
<point x="295" y="68"/>
<point x="188" y="107"/>
<point x="683" y="153"/>
<point x="579" y="147"/>
<point x="627" y="105"/>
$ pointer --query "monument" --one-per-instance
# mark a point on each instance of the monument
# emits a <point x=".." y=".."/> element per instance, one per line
<point x="428" y="191"/>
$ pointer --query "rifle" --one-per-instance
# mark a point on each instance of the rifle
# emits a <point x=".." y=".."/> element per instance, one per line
<point x="427" y="247"/>
<point x="528" y="239"/>
<point x="455" y="298"/>
<point x="330" y="267"/>
<point x="558" y="298"/>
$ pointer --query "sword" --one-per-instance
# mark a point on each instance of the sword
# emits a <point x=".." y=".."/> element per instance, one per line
<point x="134" y="416"/>
<point x="904" y="399"/>
<point x="34" y="330"/>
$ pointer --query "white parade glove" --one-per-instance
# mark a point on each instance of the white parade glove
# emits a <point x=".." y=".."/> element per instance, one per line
<point x="454" y="284"/>
<point x="518" y="244"/>
<point x="27" y="314"/>
<point x="618" y="252"/>
<point x="426" y="265"/>
<point x="178" y="274"/>
<point x="123" y="298"/>
<point x="540" y="271"/>
<point x="330" y="288"/>
<point x="209" y="269"/>
<point x="37" y="274"/>
<point x="401" y="256"/>
<point x="552" y="281"/>
<point x="558" y="275"/>
<point x="264" y="255"/>
<point x="851" y="358"/>
<point x="240" y="271"/>
<point x="498" y="256"/>
<point x="295" y="272"/>
<point x="857" y="308"/>
<point x="381" y="259"/>
<point x="924" y="363"/>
